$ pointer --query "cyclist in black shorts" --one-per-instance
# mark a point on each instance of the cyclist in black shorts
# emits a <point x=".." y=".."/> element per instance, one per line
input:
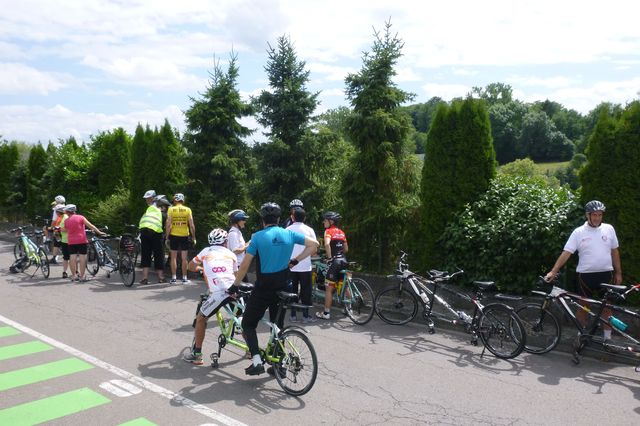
<point x="598" y="256"/>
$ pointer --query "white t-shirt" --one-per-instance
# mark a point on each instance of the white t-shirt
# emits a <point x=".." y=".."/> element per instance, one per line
<point x="305" y="264"/>
<point x="594" y="247"/>
<point x="235" y="240"/>
<point x="218" y="263"/>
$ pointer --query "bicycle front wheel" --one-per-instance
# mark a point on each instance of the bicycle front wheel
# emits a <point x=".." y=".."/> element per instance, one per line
<point x="358" y="301"/>
<point x="127" y="269"/>
<point x="541" y="327"/>
<point x="396" y="305"/>
<point x="501" y="331"/>
<point x="297" y="369"/>
<point x="93" y="261"/>
<point x="44" y="263"/>
<point x="18" y="250"/>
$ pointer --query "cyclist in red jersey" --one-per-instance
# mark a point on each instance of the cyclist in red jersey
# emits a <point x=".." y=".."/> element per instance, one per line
<point x="335" y="247"/>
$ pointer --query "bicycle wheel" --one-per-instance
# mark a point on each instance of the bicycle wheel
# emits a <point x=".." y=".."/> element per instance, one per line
<point x="93" y="260"/>
<point x="396" y="306"/>
<point x="298" y="367"/>
<point x="44" y="263"/>
<point x="501" y="331"/>
<point x="358" y="304"/>
<point x="18" y="250"/>
<point x="127" y="269"/>
<point x="541" y="328"/>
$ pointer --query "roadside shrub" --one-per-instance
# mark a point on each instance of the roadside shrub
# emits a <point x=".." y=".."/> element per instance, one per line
<point x="113" y="212"/>
<point x="513" y="233"/>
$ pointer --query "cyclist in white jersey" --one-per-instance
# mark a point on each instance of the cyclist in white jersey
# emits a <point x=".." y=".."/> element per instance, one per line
<point x="217" y="264"/>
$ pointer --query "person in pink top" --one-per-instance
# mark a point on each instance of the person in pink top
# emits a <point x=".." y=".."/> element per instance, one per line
<point x="77" y="237"/>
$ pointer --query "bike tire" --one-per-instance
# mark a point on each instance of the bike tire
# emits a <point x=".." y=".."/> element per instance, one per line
<point x="360" y="306"/>
<point x="395" y="305"/>
<point x="501" y="331"/>
<point x="297" y="370"/>
<point x="127" y="269"/>
<point x="541" y="326"/>
<point x="18" y="250"/>
<point x="93" y="260"/>
<point x="44" y="263"/>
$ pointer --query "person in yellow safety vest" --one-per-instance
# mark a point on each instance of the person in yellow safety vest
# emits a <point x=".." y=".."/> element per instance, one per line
<point x="151" y="239"/>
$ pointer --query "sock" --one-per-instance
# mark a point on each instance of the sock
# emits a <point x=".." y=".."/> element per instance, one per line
<point x="607" y="334"/>
<point x="173" y="277"/>
<point x="256" y="360"/>
<point x="184" y="278"/>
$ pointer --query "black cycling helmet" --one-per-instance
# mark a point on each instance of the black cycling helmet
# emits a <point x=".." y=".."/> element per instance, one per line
<point x="270" y="209"/>
<point x="594" y="206"/>
<point x="237" y="215"/>
<point x="333" y="216"/>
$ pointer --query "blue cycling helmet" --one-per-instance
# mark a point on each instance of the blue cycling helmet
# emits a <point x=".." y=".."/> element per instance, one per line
<point x="237" y="215"/>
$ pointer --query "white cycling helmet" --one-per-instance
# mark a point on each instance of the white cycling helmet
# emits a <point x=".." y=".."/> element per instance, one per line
<point x="296" y="203"/>
<point x="149" y="194"/>
<point x="59" y="208"/>
<point x="178" y="197"/>
<point x="60" y="199"/>
<point x="70" y="208"/>
<point x="217" y="237"/>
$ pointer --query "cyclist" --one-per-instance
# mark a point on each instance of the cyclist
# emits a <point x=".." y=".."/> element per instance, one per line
<point x="179" y="224"/>
<point x="217" y="264"/>
<point x="55" y="233"/>
<point x="75" y="225"/>
<point x="64" y="243"/>
<point x="237" y="219"/>
<point x="273" y="246"/>
<point x="300" y="274"/>
<point x="335" y="247"/>
<point x="598" y="256"/>
<point x="292" y="206"/>
<point x="151" y="238"/>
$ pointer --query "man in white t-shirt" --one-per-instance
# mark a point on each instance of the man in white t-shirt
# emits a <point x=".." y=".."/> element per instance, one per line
<point x="300" y="274"/>
<point x="598" y="256"/>
<point x="218" y="265"/>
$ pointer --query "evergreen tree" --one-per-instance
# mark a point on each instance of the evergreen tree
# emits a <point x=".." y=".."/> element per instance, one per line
<point x="219" y="166"/>
<point x="459" y="165"/>
<point x="285" y="110"/>
<point x="380" y="186"/>
<point x="36" y="167"/>
<point x="9" y="159"/>
<point x="139" y="183"/>
<point x="611" y="175"/>
<point x="112" y="157"/>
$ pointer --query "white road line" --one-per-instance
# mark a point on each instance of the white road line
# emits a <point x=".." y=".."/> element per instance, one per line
<point x="145" y="384"/>
<point x="133" y="390"/>
<point x="111" y="388"/>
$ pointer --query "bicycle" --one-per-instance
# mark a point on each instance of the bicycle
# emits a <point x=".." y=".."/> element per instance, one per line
<point x="28" y="254"/>
<point x="101" y="255"/>
<point x="354" y="294"/>
<point x="289" y="351"/>
<point x="132" y="234"/>
<point x="496" y="324"/>
<point x="543" y="327"/>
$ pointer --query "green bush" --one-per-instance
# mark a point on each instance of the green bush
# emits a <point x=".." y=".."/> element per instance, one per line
<point x="513" y="233"/>
<point x="113" y="212"/>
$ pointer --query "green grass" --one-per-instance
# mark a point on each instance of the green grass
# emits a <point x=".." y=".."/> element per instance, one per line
<point x="550" y="168"/>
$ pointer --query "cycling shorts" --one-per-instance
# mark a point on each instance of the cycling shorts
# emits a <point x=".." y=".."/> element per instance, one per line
<point x="179" y="243"/>
<point x="589" y="283"/>
<point x="338" y="264"/>
<point x="214" y="302"/>
<point x="77" y="248"/>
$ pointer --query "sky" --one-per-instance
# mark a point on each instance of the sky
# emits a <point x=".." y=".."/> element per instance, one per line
<point x="76" y="68"/>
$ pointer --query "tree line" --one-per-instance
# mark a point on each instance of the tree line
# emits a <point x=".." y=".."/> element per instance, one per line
<point x="473" y="200"/>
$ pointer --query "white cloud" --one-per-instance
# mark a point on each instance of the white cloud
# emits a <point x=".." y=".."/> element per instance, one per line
<point x="445" y="91"/>
<point x="16" y="78"/>
<point x="33" y="123"/>
<point x="548" y="82"/>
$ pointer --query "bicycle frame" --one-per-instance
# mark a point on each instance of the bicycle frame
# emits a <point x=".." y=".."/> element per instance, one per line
<point x="341" y="288"/>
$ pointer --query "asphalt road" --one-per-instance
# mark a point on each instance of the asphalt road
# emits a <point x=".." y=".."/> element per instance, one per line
<point x="100" y="353"/>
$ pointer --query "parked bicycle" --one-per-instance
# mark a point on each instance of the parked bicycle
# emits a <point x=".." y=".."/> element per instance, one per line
<point x="131" y="238"/>
<point x="289" y="351"/>
<point x="101" y="255"/>
<point x="543" y="327"/>
<point x="28" y="253"/>
<point x="354" y="294"/>
<point x="496" y="324"/>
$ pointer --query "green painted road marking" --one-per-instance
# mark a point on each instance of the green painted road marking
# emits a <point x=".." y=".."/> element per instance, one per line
<point x="8" y="331"/>
<point x="21" y="349"/>
<point x="25" y="376"/>
<point x="46" y="409"/>
<point x="139" y="422"/>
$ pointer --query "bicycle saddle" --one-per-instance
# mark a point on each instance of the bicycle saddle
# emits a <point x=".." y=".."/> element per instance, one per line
<point x="484" y="285"/>
<point x="614" y="287"/>
<point x="246" y="287"/>
<point x="288" y="297"/>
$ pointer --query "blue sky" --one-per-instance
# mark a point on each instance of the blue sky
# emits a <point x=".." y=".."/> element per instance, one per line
<point x="74" y="68"/>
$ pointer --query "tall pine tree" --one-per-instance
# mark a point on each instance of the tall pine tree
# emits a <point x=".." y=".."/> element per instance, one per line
<point x="380" y="187"/>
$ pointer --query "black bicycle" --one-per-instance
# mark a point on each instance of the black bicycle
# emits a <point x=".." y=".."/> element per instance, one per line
<point x="543" y="327"/>
<point x="497" y="325"/>
<point x="101" y="255"/>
